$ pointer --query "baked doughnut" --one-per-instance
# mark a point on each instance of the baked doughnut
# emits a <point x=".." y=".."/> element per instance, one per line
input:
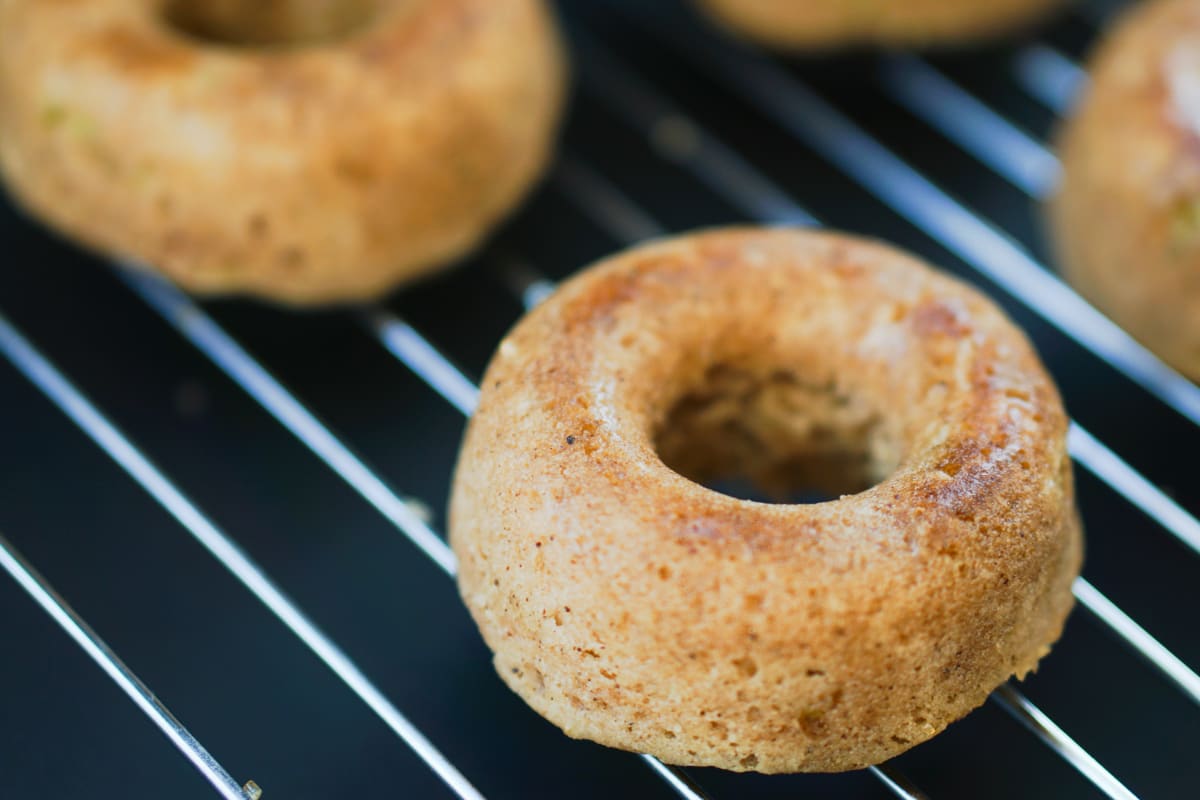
<point x="304" y="151"/>
<point x="1126" y="219"/>
<point x="829" y="23"/>
<point x="632" y="606"/>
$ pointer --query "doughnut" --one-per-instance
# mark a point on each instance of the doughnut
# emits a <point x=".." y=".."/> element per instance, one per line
<point x="1125" y="221"/>
<point x="631" y="605"/>
<point x="306" y="151"/>
<point x="831" y="23"/>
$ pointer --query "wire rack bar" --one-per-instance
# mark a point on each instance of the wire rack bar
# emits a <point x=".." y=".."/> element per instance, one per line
<point x="1056" y="739"/>
<point x="1143" y="643"/>
<point x="1138" y="639"/>
<point x="90" y="642"/>
<point x="680" y="140"/>
<point x="612" y="208"/>
<point x="1133" y="486"/>
<point x="1085" y="448"/>
<point x="519" y="283"/>
<point x="1048" y="76"/>
<point x="804" y="114"/>
<point x="198" y="328"/>
<point x="63" y="394"/>
<point x="964" y="119"/>
<point x="897" y="783"/>
<point x="525" y="281"/>
<point x="614" y="199"/>
<point x="403" y="342"/>
<point x="676" y="778"/>
<point x="989" y="137"/>
<point x="212" y="340"/>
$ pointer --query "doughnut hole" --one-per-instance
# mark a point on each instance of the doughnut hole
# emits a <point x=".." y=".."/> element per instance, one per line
<point x="270" y="23"/>
<point x="775" y="436"/>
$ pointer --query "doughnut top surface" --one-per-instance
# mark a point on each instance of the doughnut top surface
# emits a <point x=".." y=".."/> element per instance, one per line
<point x="633" y="606"/>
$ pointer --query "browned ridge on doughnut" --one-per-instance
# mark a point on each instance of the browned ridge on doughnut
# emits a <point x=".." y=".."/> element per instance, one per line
<point x="631" y="605"/>
<point x="304" y="151"/>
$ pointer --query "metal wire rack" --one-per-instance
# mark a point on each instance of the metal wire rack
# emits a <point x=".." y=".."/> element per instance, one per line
<point x="311" y="638"/>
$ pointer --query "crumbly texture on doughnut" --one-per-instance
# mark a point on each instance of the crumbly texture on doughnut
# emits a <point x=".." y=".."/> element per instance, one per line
<point x="325" y="172"/>
<point x="1126" y="220"/>
<point x="634" y="607"/>
<point x="831" y="23"/>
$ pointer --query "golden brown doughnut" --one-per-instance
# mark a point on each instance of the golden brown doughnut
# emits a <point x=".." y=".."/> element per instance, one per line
<point x="635" y="607"/>
<point x="830" y="23"/>
<point x="1126" y="220"/>
<point x="354" y="146"/>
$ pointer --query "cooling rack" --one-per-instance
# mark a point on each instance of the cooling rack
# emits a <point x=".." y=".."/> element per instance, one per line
<point x="245" y="504"/>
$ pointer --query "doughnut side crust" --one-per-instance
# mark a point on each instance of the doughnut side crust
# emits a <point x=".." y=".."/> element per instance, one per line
<point x="638" y="609"/>
<point x="1126" y="220"/>
<point x="329" y="172"/>
<point x="829" y="23"/>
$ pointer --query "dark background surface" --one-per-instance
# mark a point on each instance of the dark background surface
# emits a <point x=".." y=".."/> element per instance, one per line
<point x="269" y="710"/>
